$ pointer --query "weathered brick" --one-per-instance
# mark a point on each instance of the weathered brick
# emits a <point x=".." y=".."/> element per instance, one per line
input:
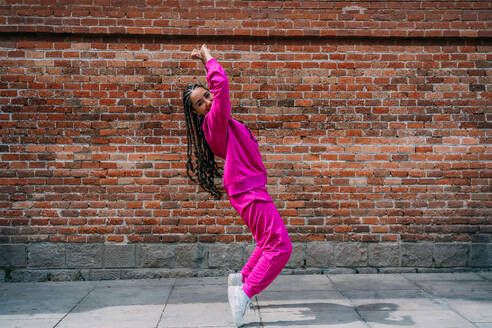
<point x="119" y="256"/>
<point x="84" y="255"/>
<point x="43" y="255"/>
<point x="320" y="255"/>
<point x="383" y="255"/>
<point x="298" y="256"/>
<point x="155" y="256"/>
<point x="228" y="256"/>
<point x="351" y="254"/>
<point x="12" y="256"/>
<point x="416" y="254"/>
<point x="451" y="255"/>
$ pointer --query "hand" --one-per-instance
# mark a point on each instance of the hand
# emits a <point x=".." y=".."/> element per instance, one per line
<point x="204" y="51"/>
<point x="204" y="54"/>
<point x="195" y="54"/>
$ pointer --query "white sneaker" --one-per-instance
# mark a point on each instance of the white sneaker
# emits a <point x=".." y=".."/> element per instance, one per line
<point x="238" y="301"/>
<point x="235" y="279"/>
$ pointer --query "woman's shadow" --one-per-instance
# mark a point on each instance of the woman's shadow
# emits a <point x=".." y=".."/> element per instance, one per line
<point x="305" y="314"/>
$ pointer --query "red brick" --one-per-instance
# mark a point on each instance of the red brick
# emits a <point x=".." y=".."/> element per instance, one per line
<point x="346" y="138"/>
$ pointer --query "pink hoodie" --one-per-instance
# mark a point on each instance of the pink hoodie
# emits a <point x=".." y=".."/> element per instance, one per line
<point x="231" y="140"/>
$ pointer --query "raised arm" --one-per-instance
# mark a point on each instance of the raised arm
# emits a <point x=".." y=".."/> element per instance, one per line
<point x="220" y="112"/>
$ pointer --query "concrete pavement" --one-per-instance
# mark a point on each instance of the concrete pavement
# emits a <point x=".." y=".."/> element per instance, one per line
<point x="427" y="300"/>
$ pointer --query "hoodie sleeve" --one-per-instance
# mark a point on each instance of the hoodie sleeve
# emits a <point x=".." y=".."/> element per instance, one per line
<point x="216" y="121"/>
<point x="219" y="114"/>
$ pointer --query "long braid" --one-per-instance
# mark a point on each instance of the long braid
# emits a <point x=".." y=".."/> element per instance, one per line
<point x="205" y="167"/>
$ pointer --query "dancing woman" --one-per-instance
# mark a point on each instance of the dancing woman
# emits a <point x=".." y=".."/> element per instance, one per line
<point x="213" y="132"/>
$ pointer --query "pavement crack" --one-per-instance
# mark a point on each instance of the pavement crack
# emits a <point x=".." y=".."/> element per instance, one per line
<point x="437" y="299"/>
<point x="167" y="301"/>
<point x="73" y="308"/>
<point x="259" y="312"/>
<point x="354" y="307"/>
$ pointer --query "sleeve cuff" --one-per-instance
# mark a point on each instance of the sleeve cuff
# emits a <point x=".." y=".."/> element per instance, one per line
<point x="209" y="64"/>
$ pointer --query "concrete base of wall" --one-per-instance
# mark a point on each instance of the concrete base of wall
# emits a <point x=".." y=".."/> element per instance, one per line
<point x="67" y="262"/>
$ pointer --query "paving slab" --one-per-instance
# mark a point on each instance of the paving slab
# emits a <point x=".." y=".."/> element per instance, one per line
<point x="441" y="300"/>
<point x="202" y="281"/>
<point x="307" y="308"/>
<point x="394" y="300"/>
<point x="300" y="282"/>
<point x="119" y="307"/>
<point x="415" y="319"/>
<point x="370" y="282"/>
<point x="486" y="275"/>
<point x="40" y="300"/>
<point x="28" y="323"/>
<point x="443" y="276"/>
<point x="313" y="315"/>
<point x="330" y="300"/>
<point x="197" y="305"/>
<point x="458" y="289"/>
<point x="167" y="282"/>
<point x="115" y="317"/>
<point x="473" y="310"/>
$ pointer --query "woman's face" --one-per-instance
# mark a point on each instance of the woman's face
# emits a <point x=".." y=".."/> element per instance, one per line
<point x="201" y="101"/>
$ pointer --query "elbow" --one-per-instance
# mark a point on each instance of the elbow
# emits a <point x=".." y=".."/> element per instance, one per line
<point x="220" y="91"/>
<point x="220" y="83"/>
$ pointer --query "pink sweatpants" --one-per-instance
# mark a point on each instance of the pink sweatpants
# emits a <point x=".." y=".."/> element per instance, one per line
<point x="273" y="243"/>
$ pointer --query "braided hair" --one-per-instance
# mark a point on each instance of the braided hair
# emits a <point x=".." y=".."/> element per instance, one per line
<point x="204" y="167"/>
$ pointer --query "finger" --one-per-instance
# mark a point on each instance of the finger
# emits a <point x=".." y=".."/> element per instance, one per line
<point x="195" y="53"/>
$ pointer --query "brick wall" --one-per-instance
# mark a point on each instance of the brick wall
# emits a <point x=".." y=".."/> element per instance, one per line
<point x="372" y="119"/>
<point x="438" y="18"/>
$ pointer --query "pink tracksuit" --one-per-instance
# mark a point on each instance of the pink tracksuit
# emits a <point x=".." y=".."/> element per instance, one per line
<point x="244" y="181"/>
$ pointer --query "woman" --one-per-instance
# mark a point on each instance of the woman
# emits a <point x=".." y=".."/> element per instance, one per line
<point x="213" y="132"/>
